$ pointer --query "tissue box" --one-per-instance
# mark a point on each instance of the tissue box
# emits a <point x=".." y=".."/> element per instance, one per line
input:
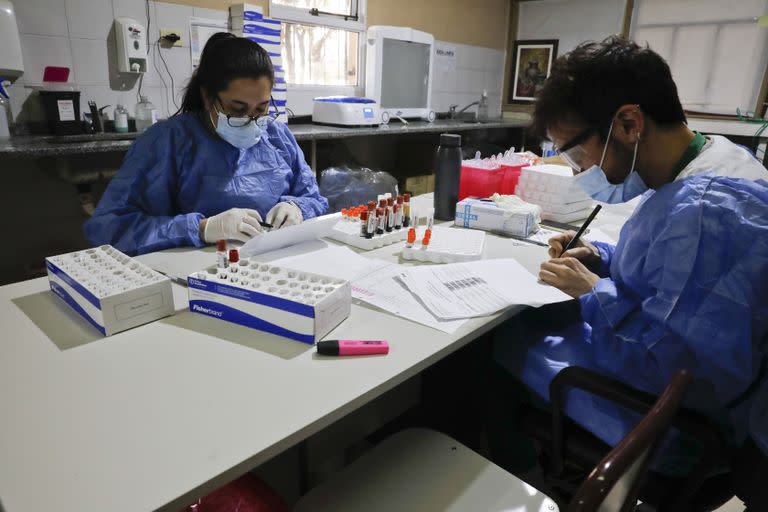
<point x="298" y="305"/>
<point x="486" y="215"/>
<point x="112" y="291"/>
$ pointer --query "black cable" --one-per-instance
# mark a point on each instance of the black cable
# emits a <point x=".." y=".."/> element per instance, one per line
<point x="141" y="80"/>
<point x="160" y="74"/>
<point x="173" y="86"/>
<point x="149" y="23"/>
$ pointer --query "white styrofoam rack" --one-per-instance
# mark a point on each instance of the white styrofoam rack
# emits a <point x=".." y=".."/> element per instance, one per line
<point x="298" y="305"/>
<point x="553" y="188"/>
<point x="348" y="232"/>
<point x="111" y="290"/>
<point x="447" y="245"/>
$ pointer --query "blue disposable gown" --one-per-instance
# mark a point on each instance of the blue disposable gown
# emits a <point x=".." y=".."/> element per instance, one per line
<point x="177" y="173"/>
<point x="686" y="287"/>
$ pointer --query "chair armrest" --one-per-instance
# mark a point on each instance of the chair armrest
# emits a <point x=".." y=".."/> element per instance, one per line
<point x="691" y="422"/>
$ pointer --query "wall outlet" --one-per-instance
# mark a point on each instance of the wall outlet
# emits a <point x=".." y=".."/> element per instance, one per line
<point x="167" y="31"/>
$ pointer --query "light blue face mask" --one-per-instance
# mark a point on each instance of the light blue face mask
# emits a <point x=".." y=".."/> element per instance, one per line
<point x="594" y="182"/>
<point x="244" y="136"/>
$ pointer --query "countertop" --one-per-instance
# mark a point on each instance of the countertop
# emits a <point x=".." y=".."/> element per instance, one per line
<point x="48" y="145"/>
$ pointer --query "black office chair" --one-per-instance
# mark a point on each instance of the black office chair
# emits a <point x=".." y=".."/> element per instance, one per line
<point x="569" y="451"/>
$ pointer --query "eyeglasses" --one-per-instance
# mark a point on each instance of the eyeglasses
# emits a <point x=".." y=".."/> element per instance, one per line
<point x="262" y="121"/>
<point x="573" y="153"/>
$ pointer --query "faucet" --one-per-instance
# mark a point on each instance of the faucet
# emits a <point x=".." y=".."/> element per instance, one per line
<point x="452" y="110"/>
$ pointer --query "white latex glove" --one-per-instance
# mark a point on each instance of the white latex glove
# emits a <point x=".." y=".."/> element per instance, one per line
<point x="284" y="214"/>
<point x="234" y="224"/>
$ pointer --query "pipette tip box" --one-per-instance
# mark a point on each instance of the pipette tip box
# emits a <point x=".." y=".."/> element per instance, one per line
<point x="298" y="305"/>
<point x="111" y="290"/>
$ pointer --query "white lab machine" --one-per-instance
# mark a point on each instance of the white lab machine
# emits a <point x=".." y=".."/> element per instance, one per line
<point x="131" y="39"/>
<point x="11" y="65"/>
<point x="345" y="111"/>
<point x="398" y="77"/>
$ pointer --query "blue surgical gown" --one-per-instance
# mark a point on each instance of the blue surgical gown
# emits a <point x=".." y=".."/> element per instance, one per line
<point x="686" y="287"/>
<point x="178" y="173"/>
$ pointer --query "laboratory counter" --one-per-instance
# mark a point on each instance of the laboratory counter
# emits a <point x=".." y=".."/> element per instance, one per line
<point x="48" y="145"/>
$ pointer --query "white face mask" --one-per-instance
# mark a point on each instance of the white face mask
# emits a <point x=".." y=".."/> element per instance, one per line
<point x="246" y="132"/>
<point x="595" y="182"/>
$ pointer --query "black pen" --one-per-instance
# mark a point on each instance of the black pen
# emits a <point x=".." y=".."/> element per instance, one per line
<point x="266" y="224"/>
<point x="583" y="227"/>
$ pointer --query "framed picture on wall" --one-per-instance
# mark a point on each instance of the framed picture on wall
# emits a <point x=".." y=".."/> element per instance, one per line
<point x="531" y="64"/>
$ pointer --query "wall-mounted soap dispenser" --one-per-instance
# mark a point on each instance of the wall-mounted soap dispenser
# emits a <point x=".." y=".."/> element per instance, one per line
<point x="131" y="46"/>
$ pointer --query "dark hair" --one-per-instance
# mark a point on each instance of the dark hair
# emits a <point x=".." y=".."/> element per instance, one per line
<point x="590" y="83"/>
<point x="225" y="57"/>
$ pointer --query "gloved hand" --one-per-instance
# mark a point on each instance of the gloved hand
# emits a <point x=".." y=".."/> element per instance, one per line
<point x="284" y="214"/>
<point x="234" y="224"/>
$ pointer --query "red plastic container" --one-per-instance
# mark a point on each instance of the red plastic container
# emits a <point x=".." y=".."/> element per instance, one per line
<point x="509" y="179"/>
<point x="476" y="182"/>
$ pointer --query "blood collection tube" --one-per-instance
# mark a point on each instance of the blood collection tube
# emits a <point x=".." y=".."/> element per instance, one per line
<point x="372" y="205"/>
<point x="399" y="213"/>
<point x="371" y="229"/>
<point x="390" y="214"/>
<point x="425" y="240"/>
<point x="380" y="221"/>
<point x="411" y="237"/>
<point x="406" y="210"/>
<point x="234" y="256"/>
<point x="364" y="224"/>
<point x="221" y="254"/>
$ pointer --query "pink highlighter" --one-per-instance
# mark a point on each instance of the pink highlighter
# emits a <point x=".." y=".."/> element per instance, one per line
<point x="352" y="347"/>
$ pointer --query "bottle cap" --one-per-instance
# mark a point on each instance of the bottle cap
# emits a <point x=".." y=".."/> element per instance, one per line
<point x="379" y="212"/>
<point x="411" y="235"/>
<point x="450" y="140"/>
<point x="371" y="205"/>
<point x="382" y="203"/>
<point x="344" y="212"/>
<point x="390" y="201"/>
<point x="364" y="215"/>
<point x="407" y="197"/>
<point x="234" y="256"/>
<point x="221" y="245"/>
<point x="399" y="199"/>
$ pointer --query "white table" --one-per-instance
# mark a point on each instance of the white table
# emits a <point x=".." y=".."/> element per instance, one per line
<point x="159" y="415"/>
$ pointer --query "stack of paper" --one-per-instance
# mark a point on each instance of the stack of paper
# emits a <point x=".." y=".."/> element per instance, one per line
<point x="478" y="288"/>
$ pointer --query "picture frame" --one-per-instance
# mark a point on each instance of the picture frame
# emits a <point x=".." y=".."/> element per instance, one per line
<point x="531" y="65"/>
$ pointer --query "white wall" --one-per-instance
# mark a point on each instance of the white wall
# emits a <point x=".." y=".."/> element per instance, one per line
<point x="78" y="34"/>
<point x="477" y="68"/>
<point x="570" y="21"/>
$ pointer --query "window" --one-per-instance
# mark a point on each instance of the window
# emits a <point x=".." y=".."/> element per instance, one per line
<point x="321" y="40"/>
<point x="716" y="50"/>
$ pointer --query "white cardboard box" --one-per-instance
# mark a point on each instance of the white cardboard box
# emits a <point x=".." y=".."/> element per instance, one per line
<point x="486" y="215"/>
<point x="298" y="305"/>
<point x="112" y="291"/>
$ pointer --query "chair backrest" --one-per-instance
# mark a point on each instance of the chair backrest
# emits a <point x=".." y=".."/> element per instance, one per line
<point x="615" y="482"/>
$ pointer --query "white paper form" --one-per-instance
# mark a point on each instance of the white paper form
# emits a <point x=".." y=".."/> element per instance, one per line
<point x="310" y="229"/>
<point x="478" y="288"/>
<point x="383" y="290"/>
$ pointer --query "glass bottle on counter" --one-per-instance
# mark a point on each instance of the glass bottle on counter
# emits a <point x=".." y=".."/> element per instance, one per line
<point x="121" y="119"/>
<point x="146" y="114"/>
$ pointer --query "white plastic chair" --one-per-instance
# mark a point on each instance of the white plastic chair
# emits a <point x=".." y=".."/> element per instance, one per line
<point x="423" y="470"/>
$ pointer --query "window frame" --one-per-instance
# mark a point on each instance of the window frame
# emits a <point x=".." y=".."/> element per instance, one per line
<point x="289" y="14"/>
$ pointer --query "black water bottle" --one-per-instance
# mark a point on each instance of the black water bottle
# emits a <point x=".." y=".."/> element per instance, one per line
<point x="447" y="176"/>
